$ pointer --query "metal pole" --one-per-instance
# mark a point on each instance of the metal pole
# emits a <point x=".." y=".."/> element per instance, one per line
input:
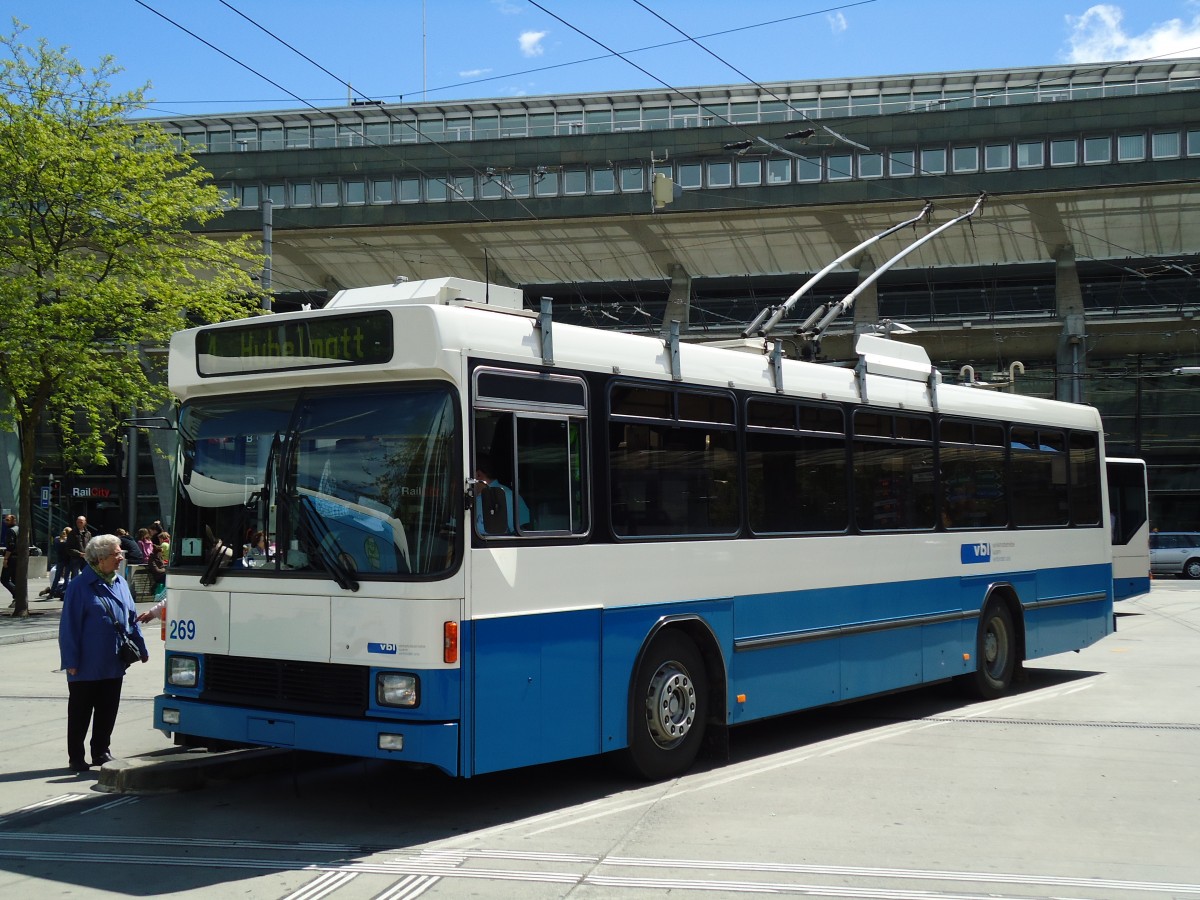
<point x="49" y="521"/>
<point x="132" y="472"/>
<point x="268" y="225"/>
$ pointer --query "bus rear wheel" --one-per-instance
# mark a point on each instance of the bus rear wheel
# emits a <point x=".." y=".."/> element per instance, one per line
<point x="668" y="709"/>
<point x="995" y="653"/>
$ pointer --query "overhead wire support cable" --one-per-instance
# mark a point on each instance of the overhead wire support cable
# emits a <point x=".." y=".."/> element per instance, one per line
<point x="761" y="87"/>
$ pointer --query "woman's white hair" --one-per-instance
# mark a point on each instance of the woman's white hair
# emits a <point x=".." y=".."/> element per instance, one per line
<point x="100" y="547"/>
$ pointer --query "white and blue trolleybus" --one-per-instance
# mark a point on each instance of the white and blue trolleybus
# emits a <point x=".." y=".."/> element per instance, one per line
<point x="492" y="540"/>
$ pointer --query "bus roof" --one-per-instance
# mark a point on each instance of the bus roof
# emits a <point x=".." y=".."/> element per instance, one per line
<point x="437" y="324"/>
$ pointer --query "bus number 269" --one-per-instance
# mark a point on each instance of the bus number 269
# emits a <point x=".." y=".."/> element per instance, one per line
<point x="183" y="630"/>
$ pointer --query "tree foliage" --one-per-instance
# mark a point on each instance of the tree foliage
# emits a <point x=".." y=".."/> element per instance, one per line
<point x="100" y="255"/>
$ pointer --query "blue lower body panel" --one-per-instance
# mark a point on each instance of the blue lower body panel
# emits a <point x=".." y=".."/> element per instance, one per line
<point x="1124" y="588"/>
<point x="431" y="743"/>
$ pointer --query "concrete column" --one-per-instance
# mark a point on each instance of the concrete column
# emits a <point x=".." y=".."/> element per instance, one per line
<point x="679" y="301"/>
<point x="866" y="304"/>
<point x="1071" y="359"/>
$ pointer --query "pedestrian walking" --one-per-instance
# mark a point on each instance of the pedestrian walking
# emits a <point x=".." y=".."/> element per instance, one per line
<point x="62" y="565"/>
<point x="76" y="543"/>
<point x="10" y="549"/>
<point x="98" y="612"/>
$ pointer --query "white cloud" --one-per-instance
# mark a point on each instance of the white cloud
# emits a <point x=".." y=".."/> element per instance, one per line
<point x="837" y="23"/>
<point x="531" y="43"/>
<point x="473" y="73"/>
<point x="1098" y="35"/>
<point x="506" y="8"/>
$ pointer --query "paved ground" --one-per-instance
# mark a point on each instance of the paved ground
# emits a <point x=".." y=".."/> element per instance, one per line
<point x="42" y="622"/>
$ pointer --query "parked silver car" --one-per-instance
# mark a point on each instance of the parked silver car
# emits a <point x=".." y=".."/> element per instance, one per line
<point x="1175" y="553"/>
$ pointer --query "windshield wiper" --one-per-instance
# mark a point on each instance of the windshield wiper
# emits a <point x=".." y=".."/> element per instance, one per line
<point x="219" y="551"/>
<point x="325" y="546"/>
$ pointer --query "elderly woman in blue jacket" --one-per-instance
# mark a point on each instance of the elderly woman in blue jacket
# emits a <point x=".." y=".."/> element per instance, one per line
<point x="97" y="608"/>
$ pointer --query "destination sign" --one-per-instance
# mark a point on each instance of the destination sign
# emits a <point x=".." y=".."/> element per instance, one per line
<point x="272" y="345"/>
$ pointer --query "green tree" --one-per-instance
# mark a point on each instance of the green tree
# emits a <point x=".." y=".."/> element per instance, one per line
<point x="99" y="255"/>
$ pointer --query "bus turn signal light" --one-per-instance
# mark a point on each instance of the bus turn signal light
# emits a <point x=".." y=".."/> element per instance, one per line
<point x="450" y="642"/>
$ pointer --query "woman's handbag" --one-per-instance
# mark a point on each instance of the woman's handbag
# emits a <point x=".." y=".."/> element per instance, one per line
<point x="127" y="651"/>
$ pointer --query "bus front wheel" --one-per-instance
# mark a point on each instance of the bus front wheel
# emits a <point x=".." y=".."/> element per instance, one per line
<point x="995" y="653"/>
<point x="668" y="708"/>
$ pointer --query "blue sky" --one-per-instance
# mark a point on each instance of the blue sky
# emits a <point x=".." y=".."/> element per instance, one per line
<point x="460" y="49"/>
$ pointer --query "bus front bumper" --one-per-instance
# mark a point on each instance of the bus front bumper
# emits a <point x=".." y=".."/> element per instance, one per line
<point x="427" y="743"/>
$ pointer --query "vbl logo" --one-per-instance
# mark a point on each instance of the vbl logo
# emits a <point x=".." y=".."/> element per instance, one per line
<point x="976" y="553"/>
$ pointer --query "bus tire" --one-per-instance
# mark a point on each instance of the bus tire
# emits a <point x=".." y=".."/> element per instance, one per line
<point x="668" y="708"/>
<point x="995" y="653"/>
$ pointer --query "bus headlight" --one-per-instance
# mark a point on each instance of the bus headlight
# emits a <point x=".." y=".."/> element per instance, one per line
<point x="183" y="671"/>
<point x="396" y="689"/>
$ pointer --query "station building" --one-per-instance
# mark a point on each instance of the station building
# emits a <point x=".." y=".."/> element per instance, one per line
<point x="1079" y="278"/>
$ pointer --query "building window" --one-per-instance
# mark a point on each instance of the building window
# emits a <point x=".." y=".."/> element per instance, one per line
<point x="840" y="167"/>
<point x="633" y="179"/>
<point x="997" y="157"/>
<point x="749" y="172"/>
<point x="302" y="193"/>
<point x="513" y="125"/>
<point x="490" y="189"/>
<point x="277" y="194"/>
<point x="297" y="137"/>
<point x="933" y="161"/>
<point x="1131" y="147"/>
<point x="327" y="193"/>
<point x="350" y="135"/>
<point x="1031" y="155"/>
<point x="720" y="174"/>
<point x="379" y="134"/>
<point x="270" y="139"/>
<point x="604" y="181"/>
<point x="486" y="128"/>
<point x="1193" y="143"/>
<point x="779" y="171"/>
<point x="462" y="187"/>
<point x="382" y="190"/>
<point x="1064" y="152"/>
<point x="966" y="159"/>
<point x="627" y="119"/>
<point x="1164" y="145"/>
<point x="220" y="141"/>
<point x="870" y="165"/>
<point x="808" y="168"/>
<point x="518" y="183"/>
<point x="575" y="181"/>
<point x="546" y="184"/>
<point x="356" y="192"/>
<point x="689" y="176"/>
<point x="410" y="190"/>
<point x="541" y="124"/>
<point x="598" y="121"/>
<point x="435" y="189"/>
<point x="902" y="163"/>
<point x="655" y="118"/>
<point x="250" y="195"/>
<point x="1097" y="150"/>
<point x="245" y="139"/>
<point x="324" y="136"/>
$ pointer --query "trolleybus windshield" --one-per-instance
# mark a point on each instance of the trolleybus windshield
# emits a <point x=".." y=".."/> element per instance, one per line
<point x="355" y="483"/>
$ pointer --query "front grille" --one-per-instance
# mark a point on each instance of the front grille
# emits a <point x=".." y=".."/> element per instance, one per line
<point x="287" y="685"/>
